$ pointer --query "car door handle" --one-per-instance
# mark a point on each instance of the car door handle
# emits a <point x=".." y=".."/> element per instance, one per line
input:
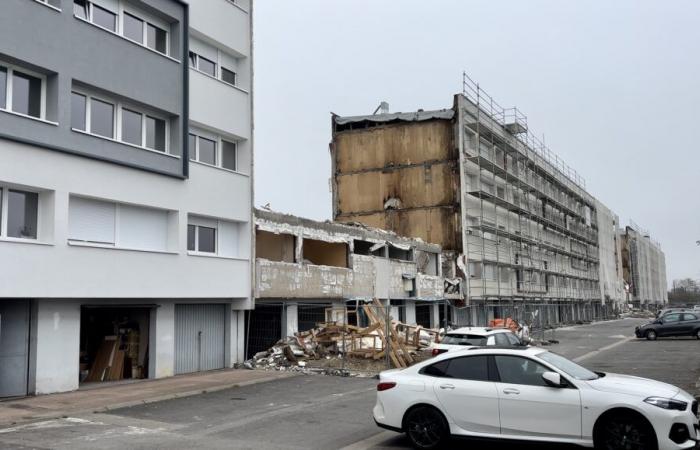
<point x="447" y="386"/>
<point x="509" y="391"/>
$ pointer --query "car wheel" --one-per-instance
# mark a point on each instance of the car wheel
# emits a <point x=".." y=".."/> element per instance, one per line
<point x="651" y="335"/>
<point x="625" y="432"/>
<point x="697" y="334"/>
<point x="426" y="428"/>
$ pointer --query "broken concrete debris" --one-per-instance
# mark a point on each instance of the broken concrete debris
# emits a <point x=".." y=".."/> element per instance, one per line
<point x="336" y="348"/>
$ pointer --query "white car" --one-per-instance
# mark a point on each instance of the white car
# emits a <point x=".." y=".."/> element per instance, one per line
<point x="530" y="394"/>
<point x="475" y="337"/>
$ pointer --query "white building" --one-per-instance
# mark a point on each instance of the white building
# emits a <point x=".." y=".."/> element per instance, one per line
<point x="125" y="188"/>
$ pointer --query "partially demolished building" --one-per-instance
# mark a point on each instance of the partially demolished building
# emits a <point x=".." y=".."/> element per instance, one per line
<point x="304" y="267"/>
<point x="516" y="224"/>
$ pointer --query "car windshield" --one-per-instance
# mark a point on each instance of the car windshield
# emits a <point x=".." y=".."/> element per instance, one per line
<point x="569" y="367"/>
<point x="463" y="339"/>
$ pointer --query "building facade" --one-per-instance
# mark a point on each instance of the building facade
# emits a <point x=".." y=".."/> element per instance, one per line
<point x="125" y="188"/>
<point x="644" y="268"/>
<point x="612" y="285"/>
<point x="518" y="226"/>
<point x="304" y="267"/>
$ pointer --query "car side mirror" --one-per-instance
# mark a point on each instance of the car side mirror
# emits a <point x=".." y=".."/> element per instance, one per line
<point x="553" y="379"/>
<point x="658" y="322"/>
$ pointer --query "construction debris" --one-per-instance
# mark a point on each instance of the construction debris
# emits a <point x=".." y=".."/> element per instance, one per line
<point x="336" y="348"/>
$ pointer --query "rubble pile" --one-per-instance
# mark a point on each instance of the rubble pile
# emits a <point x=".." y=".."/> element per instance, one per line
<point x="336" y="348"/>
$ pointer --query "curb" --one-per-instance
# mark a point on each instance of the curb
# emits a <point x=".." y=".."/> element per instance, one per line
<point x="175" y="395"/>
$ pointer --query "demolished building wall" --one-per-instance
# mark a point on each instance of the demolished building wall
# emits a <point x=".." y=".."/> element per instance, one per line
<point x="348" y="264"/>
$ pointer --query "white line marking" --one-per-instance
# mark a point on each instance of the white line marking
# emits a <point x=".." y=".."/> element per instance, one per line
<point x="603" y="349"/>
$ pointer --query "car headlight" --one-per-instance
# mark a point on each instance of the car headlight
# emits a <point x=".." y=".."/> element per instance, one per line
<point x="666" y="403"/>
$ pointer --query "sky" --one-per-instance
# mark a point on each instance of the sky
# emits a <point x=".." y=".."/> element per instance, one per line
<point x="613" y="86"/>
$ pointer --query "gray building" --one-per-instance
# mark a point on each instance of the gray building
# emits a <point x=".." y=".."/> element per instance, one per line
<point x="125" y="189"/>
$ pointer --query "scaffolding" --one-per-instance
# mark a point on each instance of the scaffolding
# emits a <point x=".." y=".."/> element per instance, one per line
<point x="529" y="230"/>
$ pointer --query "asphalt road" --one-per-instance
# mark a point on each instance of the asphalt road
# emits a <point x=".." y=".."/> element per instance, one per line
<point x="319" y="412"/>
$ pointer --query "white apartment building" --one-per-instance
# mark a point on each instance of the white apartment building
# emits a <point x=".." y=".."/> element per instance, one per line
<point x="125" y="189"/>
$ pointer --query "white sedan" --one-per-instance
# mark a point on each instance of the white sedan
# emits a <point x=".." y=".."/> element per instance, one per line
<point x="533" y="395"/>
<point x="475" y="337"/>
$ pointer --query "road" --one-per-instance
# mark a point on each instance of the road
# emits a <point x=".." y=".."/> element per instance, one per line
<point x="320" y="412"/>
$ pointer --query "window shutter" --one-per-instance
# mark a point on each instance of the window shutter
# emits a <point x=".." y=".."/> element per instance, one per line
<point x="91" y="220"/>
<point x="228" y="239"/>
<point x="143" y="228"/>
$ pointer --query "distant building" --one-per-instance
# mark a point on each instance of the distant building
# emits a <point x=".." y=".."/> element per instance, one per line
<point x="644" y="268"/>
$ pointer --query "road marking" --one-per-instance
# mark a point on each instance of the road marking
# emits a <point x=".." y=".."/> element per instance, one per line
<point x="371" y="441"/>
<point x="603" y="349"/>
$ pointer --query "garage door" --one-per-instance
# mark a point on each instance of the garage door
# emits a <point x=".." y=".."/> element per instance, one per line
<point x="14" y="347"/>
<point x="199" y="337"/>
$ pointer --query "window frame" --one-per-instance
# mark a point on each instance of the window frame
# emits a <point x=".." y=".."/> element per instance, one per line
<point x="201" y="222"/>
<point x="9" y="73"/>
<point x="235" y="76"/>
<point x="117" y="121"/>
<point x="5" y="209"/>
<point x="219" y="151"/>
<point x="197" y="57"/>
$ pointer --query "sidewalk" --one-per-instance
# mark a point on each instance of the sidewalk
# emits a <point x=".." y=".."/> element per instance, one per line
<point x="100" y="399"/>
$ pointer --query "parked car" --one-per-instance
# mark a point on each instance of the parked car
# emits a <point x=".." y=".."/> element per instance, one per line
<point x="530" y="394"/>
<point x="475" y="337"/>
<point x="671" y="324"/>
<point x="665" y="311"/>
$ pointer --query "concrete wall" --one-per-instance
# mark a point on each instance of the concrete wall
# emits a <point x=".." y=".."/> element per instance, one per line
<point x="87" y="272"/>
<point x="57" y="350"/>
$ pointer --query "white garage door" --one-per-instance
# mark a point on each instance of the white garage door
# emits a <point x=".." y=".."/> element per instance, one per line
<point x="200" y="337"/>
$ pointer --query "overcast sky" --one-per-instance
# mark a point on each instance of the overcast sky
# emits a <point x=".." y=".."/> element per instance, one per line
<point x="614" y="86"/>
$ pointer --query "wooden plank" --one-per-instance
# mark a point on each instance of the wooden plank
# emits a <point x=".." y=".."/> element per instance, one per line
<point x="116" y="369"/>
<point x="103" y="359"/>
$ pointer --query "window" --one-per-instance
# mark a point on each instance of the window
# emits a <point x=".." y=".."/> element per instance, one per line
<point x="213" y="150"/>
<point x="690" y="317"/>
<point x="104" y="18"/>
<point x="228" y="76"/>
<point x="214" y="237"/>
<point x="78" y="111"/>
<point x="98" y="117"/>
<point x="21" y="92"/>
<point x="207" y="151"/>
<point x="26" y="94"/>
<point x="436" y="370"/>
<point x="468" y="368"/>
<point x="513" y="339"/>
<point x="133" y="28"/>
<point x="19" y="210"/>
<point x="668" y="318"/>
<point x="157" y="39"/>
<point x="81" y="9"/>
<point x="155" y="133"/>
<point x="116" y="224"/>
<point x="518" y="370"/>
<point x="3" y="87"/>
<point x="501" y="339"/>
<point x="101" y="118"/>
<point x="201" y="239"/>
<point x="228" y="155"/>
<point x="464" y="339"/>
<point x="132" y="124"/>
<point x="202" y="64"/>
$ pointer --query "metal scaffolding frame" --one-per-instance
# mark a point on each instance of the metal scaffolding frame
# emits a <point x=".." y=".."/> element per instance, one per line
<point x="534" y="218"/>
